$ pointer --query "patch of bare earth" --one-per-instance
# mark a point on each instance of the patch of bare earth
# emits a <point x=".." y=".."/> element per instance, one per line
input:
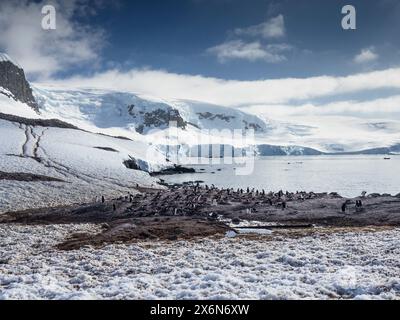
<point x="131" y="230"/>
<point x="28" y="177"/>
<point x="315" y="232"/>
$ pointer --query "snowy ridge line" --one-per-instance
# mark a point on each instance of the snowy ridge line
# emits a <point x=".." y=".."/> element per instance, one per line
<point x="6" y="58"/>
<point x="32" y="143"/>
<point x="53" y="123"/>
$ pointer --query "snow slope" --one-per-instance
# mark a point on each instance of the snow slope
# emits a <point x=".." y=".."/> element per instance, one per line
<point x="96" y="110"/>
<point x="89" y="164"/>
<point x="9" y="106"/>
<point x="106" y="108"/>
<point x="128" y="114"/>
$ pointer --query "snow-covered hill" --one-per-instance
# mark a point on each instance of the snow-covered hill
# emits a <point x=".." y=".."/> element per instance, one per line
<point x="73" y="165"/>
<point x="130" y="114"/>
<point x="46" y="161"/>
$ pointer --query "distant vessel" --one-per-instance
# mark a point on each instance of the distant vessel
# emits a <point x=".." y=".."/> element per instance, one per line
<point x="386" y="158"/>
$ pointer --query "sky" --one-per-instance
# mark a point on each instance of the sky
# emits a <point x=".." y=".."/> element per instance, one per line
<point x="282" y="57"/>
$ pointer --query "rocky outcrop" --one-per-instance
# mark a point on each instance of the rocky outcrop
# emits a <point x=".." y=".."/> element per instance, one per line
<point x="54" y="123"/>
<point x="211" y="116"/>
<point x="27" y="177"/>
<point x="254" y="126"/>
<point x="160" y="118"/>
<point x="132" y="164"/>
<point x="13" y="80"/>
<point x="176" y="169"/>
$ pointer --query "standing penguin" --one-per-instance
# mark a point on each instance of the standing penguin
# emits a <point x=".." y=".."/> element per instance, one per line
<point x="359" y="206"/>
<point x="344" y="207"/>
<point x="103" y="199"/>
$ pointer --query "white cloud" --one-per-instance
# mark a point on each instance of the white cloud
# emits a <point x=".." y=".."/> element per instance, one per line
<point x="374" y="108"/>
<point x="273" y="28"/>
<point x="255" y="50"/>
<point x="251" y="51"/>
<point x="43" y="53"/>
<point x="366" y="55"/>
<point x="235" y="93"/>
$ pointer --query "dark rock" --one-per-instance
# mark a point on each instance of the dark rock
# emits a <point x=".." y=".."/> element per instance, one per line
<point x="38" y="122"/>
<point x="106" y="149"/>
<point x="158" y="119"/>
<point x="176" y="169"/>
<point x="131" y="164"/>
<point x="256" y="127"/>
<point x="28" y="177"/>
<point x="374" y="195"/>
<point x="335" y="195"/>
<point x="236" y="220"/>
<point x="13" y="79"/>
<point x="211" y="116"/>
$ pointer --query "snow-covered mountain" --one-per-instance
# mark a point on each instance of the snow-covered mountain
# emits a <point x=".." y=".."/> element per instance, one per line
<point x="147" y="119"/>
<point x="131" y="114"/>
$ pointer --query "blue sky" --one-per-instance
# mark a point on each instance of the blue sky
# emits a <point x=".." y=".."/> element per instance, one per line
<point x="175" y="35"/>
<point x="184" y="36"/>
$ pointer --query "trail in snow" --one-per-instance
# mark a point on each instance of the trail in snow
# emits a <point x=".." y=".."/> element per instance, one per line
<point x="32" y="142"/>
<point x="71" y="156"/>
<point x="25" y="151"/>
<point x="37" y="143"/>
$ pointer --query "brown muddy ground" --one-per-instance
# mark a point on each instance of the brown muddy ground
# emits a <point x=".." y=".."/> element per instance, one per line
<point x="191" y="211"/>
<point x="130" y="230"/>
<point x="300" y="208"/>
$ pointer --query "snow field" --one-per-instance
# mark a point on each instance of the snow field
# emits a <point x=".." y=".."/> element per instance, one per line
<point x="336" y="266"/>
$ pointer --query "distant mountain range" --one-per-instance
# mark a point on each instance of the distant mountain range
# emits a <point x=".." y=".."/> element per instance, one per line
<point x="146" y="119"/>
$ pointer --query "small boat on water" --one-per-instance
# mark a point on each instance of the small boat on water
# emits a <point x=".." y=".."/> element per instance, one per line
<point x="386" y="158"/>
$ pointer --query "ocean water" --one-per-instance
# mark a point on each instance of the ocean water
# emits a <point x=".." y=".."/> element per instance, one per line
<point x="347" y="175"/>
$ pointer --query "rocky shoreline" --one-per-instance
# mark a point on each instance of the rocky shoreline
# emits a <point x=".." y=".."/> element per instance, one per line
<point x="192" y="211"/>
